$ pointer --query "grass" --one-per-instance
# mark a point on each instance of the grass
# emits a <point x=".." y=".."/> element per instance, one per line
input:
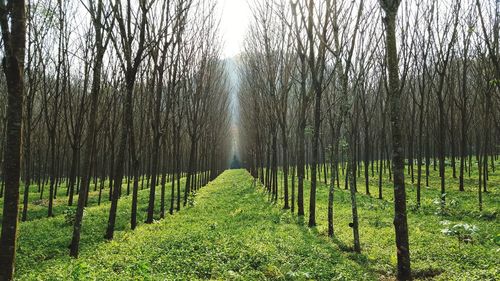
<point x="230" y="232"/>
<point x="42" y="239"/>
<point x="38" y="207"/>
<point x="434" y="254"/>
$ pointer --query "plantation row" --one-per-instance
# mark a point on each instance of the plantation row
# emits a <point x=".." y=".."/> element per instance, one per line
<point x="458" y="242"/>
<point x="230" y="231"/>
<point x="325" y="96"/>
<point x="370" y="86"/>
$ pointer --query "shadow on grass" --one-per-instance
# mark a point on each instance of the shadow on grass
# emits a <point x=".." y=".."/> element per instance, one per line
<point x="49" y="238"/>
<point x="337" y="249"/>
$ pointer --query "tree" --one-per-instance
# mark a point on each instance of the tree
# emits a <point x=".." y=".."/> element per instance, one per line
<point x="130" y="60"/>
<point x="13" y="26"/>
<point x="96" y="11"/>
<point x="390" y="8"/>
<point x="347" y="99"/>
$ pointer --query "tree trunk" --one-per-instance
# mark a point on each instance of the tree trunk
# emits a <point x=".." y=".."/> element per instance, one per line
<point x="394" y="96"/>
<point x="72" y="173"/>
<point x="274" y="167"/>
<point x="366" y="160"/>
<point x="90" y="144"/>
<point x="441" y="151"/>
<point x="127" y="126"/>
<point x="314" y="158"/>
<point x="27" y="162"/>
<point x="333" y="163"/>
<point x="191" y="170"/>
<point x="13" y="67"/>
<point x="135" y="190"/>
<point x="351" y="175"/>
<point x="285" y="168"/>
<point x="155" y="155"/>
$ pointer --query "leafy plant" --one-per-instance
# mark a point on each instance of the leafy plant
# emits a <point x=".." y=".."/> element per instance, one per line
<point x="463" y="231"/>
<point x="69" y="216"/>
<point x="496" y="239"/>
<point x="191" y="199"/>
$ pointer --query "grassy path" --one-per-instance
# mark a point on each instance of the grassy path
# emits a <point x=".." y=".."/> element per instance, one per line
<point x="230" y="233"/>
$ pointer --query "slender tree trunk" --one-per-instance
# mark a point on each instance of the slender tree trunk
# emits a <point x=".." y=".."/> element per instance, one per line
<point x="333" y="163"/>
<point x="127" y="126"/>
<point x="366" y="160"/>
<point x="285" y="168"/>
<point x="314" y="159"/>
<point x="463" y="153"/>
<point x="441" y="152"/>
<point x="135" y="191"/>
<point x="178" y="167"/>
<point x="27" y="163"/>
<point x="91" y="142"/>
<point x="427" y="159"/>
<point x="52" y="145"/>
<point x="155" y="155"/>
<point x="191" y="167"/>
<point x="163" y="181"/>
<point x="394" y="96"/>
<point x="292" y="206"/>
<point x="351" y="174"/>
<point x="72" y="173"/>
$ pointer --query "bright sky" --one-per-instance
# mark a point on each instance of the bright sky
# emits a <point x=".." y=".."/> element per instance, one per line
<point x="236" y="16"/>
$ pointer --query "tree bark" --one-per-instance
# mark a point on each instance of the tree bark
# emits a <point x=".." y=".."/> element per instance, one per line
<point x="13" y="28"/>
<point x="92" y="131"/>
<point x="394" y="95"/>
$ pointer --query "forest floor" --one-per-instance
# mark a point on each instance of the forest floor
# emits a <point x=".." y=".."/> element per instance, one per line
<point x="230" y="231"/>
<point x="43" y="240"/>
<point x="457" y="242"/>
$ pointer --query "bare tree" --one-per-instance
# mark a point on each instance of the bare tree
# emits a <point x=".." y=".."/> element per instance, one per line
<point x="390" y="8"/>
<point x="101" y="39"/>
<point x="130" y="45"/>
<point x="13" y="26"/>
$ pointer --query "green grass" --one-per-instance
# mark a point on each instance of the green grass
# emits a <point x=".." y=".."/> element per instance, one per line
<point x="38" y="207"/>
<point x="231" y="233"/>
<point x="433" y="253"/>
<point x="45" y="239"/>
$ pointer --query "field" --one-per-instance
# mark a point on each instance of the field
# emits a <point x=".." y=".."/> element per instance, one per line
<point x="434" y="254"/>
<point x="230" y="231"/>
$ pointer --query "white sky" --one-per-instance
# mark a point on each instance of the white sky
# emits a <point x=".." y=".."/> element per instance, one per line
<point x="235" y="19"/>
